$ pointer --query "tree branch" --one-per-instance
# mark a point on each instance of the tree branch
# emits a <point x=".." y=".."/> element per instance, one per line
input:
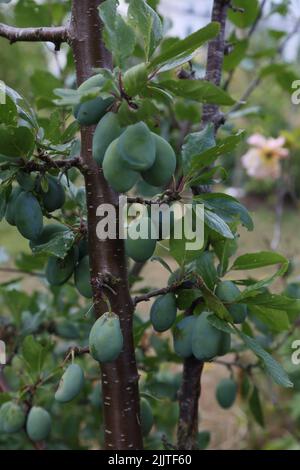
<point x="57" y="35"/>
<point x="156" y="293"/>
<point x="215" y="58"/>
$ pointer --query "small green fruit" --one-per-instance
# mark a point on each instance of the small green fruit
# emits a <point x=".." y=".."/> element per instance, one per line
<point x="136" y="147"/>
<point x="106" y="132"/>
<point x="28" y="216"/>
<point x="146" y="416"/>
<point x="38" y="424"/>
<point x="119" y="176"/>
<point x="82" y="278"/>
<point x="55" y="197"/>
<point x="10" y="214"/>
<point x="26" y="181"/>
<point x="12" y="417"/>
<point x="207" y="341"/>
<point x="90" y="112"/>
<point x="182" y="336"/>
<point x="164" y="165"/>
<point x="226" y="392"/>
<point x="163" y="312"/>
<point x="59" y="271"/>
<point x="227" y="291"/>
<point x="70" y="384"/>
<point x="106" y="339"/>
<point x="140" y="249"/>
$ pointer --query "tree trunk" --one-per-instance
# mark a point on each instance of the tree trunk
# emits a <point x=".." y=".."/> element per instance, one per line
<point x="120" y="378"/>
<point x="190" y="389"/>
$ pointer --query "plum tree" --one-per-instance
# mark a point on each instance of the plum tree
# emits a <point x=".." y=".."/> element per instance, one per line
<point x="144" y="124"/>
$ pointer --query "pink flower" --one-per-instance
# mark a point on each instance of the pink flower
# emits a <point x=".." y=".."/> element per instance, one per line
<point x="263" y="160"/>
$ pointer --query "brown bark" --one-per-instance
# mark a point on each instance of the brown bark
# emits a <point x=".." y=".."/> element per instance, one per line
<point x="57" y="35"/>
<point x="215" y="58"/>
<point x="189" y="395"/>
<point x="120" y="378"/>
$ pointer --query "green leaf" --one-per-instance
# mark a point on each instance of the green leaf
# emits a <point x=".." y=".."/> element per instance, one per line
<point x="273" y="368"/>
<point x="196" y="143"/>
<point x="16" y="141"/>
<point x="184" y="49"/>
<point x="214" y="304"/>
<point x="258" y="260"/>
<point x="34" y="354"/>
<point x="217" y="224"/>
<point x="220" y="324"/>
<point x="223" y="147"/>
<point x="248" y="16"/>
<point x="58" y="246"/>
<point x="283" y="73"/>
<point x="198" y="90"/>
<point x="279" y="302"/>
<point x="232" y="60"/>
<point x="255" y="407"/>
<point x="8" y="111"/>
<point x="224" y="249"/>
<point x="119" y="37"/>
<point x="215" y="175"/>
<point x="204" y="266"/>
<point x="30" y="14"/>
<point x="43" y="83"/>
<point x="148" y="24"/>
<point x="16" y="302"/>
<point x="162" y="262"/>
<point x="227" y="207"/>
<point x="276" y="320"/>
